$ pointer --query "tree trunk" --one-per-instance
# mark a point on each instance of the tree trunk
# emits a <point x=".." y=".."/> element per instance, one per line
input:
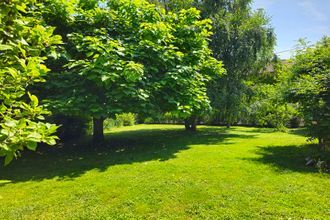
<point x="190" y="124"/>
<point x="193" y="126"/>
<point x="322" y="144"/>
<point x="98" y="134"/>
<point x="186" y="125"/>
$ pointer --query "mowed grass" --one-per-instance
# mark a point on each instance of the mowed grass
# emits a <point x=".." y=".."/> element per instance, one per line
<point x="163" y="172"/>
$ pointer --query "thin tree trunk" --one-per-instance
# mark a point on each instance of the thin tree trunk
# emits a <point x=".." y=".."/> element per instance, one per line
<point x="321" y="143"/>
<point x="98" y="133"/>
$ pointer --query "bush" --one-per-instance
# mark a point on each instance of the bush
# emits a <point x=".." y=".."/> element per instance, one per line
<point x="125" y="119"/>
<point x="166" y="118"/>
<point x="110" y="123"/>
<point x="149" y="120"/>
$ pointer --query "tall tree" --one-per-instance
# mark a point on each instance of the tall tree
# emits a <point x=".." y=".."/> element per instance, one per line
<point x="24" y="41"/>
<point x="311" y="89"/>
<point x="130" y="56"/>
<point x="243" y="40"/>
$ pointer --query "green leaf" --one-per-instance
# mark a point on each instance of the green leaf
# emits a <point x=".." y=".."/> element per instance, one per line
<point x="31" y="145"/>
<point x="21" y="8"/>
<point x="51" y="141"/>
<point x="9" y="157"/>
<point x="13" y="72"/>
<point x="104" y="78"/>
<point x="89" y="54"/>
<point x="5" y="47"/>
<point x="120" y="53"/>
<point x="34" y="136"/>
<point x="10" y="123"/>
<point x="34" y="100"/>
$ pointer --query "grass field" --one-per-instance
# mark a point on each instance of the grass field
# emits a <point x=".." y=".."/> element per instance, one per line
<point x="162" y="172"/>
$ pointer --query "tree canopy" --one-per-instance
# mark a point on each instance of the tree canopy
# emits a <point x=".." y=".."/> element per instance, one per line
<point x="93" y="59"/>
<point x="24" y="42"/>
<point x="130" y="56"/>
<point x="310" y="88"/>
<point x="243" y="40"/>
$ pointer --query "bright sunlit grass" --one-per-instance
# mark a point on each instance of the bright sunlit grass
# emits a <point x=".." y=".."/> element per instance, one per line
<point x="161" y="171"/>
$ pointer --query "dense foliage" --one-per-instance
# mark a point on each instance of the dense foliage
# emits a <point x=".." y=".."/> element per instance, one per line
<point x="24" y="43"/>
<point x="311" y="88"/>
<point x="244" y="41"/>
<point x="160" y="60"/>
<point x="268" y="106"/>
<point x="129" y="56"/>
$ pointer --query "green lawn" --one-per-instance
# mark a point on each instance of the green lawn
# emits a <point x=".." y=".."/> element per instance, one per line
<point x="162" y="172"/>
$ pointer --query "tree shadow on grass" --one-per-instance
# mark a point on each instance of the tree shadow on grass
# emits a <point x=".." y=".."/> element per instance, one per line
<point x="66" y="162"/>
<point x="299" y="131"/>
<point x="287" y="158"/>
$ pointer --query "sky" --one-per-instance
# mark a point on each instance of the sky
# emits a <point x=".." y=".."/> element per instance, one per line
<point x="294" y="19"/>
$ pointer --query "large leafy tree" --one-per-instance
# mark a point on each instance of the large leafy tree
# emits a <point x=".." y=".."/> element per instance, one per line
<point x="243" y="40"/>
<point x="130" y="56"/>
<point x="24" y="41"/>
<point x="310" y="88"/>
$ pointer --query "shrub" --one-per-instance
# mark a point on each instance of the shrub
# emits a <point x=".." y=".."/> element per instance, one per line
<point x="125" y="119"/>
<point x="149" y="120"/>
<point x="163" y="118"/>
<point x="110" y="123"/>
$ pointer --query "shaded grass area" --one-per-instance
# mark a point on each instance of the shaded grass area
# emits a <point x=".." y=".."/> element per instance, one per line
<point x="124" y="147"/>
<point x="161" y="171"/>
<point x="290" y="157"/>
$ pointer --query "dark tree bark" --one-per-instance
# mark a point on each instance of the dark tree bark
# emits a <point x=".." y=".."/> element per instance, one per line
<point x="190" y="124"/>
<point x="98" y="133"/>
